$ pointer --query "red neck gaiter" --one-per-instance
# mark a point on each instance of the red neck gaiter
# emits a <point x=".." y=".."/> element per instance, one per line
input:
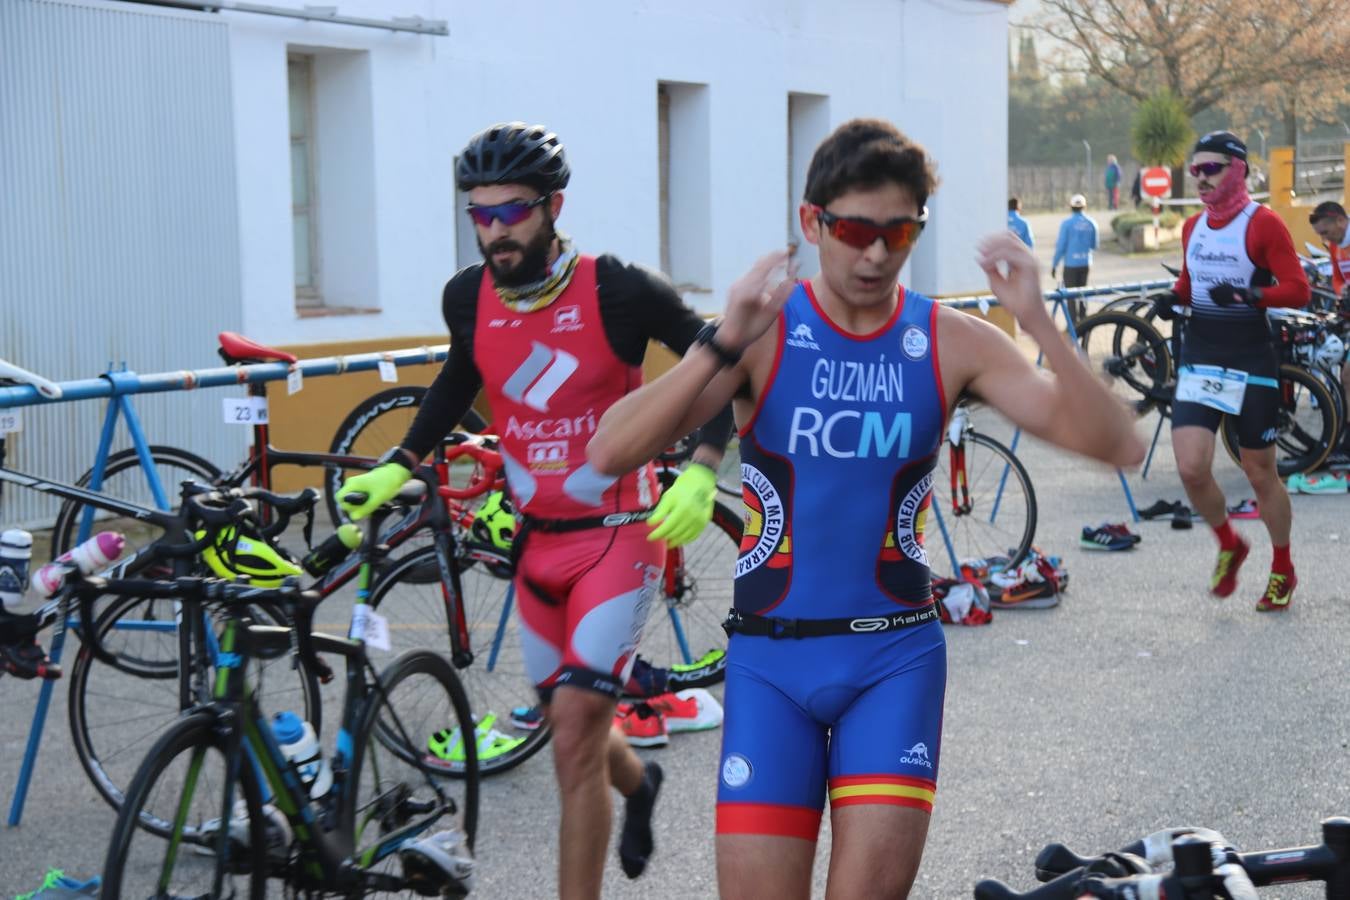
<point x="1230" y="197"/>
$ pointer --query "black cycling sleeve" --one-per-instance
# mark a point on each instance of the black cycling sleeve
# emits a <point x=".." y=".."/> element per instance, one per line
<point x="663" y="316"/>
<point x="455" y="386"/>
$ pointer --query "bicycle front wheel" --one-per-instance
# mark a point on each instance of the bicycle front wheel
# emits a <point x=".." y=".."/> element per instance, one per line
<point x="983" y="507"/>
<point x="115" y="715"/>
<point x="1134" y="354"/>
<point x="496" y="682"/>
<point x="414" y="729"/>
<point x="1307" y="425"/>
<point x="182" y="783"/>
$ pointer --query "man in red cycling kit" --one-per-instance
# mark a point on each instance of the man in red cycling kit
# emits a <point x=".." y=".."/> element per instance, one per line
<point x="555" y="337"/>
<point x="1239" y="260"/>
<point x="842" y="384"/>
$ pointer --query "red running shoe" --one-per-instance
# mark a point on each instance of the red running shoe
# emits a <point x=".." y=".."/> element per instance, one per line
<point x="641" y="725"/>
<point x="1224" y="580"/>
<point x="1279" y="592"/>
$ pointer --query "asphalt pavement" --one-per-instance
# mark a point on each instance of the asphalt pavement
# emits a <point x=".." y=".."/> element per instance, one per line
<point x="1140" y="702"/>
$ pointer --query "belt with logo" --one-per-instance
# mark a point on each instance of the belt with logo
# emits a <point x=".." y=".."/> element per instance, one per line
<point x="612" y="520"/>
<point x="774" y="627"/>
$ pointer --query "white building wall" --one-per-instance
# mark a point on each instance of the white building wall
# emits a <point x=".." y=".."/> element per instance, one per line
<point x="589" y="71"/>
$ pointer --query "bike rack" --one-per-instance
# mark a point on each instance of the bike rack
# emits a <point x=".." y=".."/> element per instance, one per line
<point x="118" y="386"/>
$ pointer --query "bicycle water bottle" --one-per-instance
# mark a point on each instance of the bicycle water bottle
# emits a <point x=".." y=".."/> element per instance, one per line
<point x="89" y="557"/>
<point x="301" y="746"/>
<point x="334" y="550"/>
<point x="16" y="550"/>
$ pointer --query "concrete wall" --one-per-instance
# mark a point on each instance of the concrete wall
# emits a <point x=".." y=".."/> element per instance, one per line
<point x="394" y="109"/>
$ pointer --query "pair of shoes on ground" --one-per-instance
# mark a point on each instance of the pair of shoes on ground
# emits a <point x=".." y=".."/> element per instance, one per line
<point x="1280" y="586"/>
<point x="1318" y="483"/>
<point x="1035" y="583"/>
<point x="649" y="723"/>
<point x="1108" y="536"/>
<point x="1179" y="512"/>
<point x="1244" y="509"/>
<point x="447" y="745"/>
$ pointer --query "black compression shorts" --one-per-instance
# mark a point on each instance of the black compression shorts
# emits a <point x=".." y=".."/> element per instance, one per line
<point x="1247" y="347"/>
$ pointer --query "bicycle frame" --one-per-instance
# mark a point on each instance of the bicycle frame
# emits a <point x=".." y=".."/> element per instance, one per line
<point x="336" y="861"/>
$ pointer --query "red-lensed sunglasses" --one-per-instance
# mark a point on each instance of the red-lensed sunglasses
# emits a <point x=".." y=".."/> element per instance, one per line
<point x="897" y="234"/>
<point x="1208" y="169"/>
<point x="508" y="214"/>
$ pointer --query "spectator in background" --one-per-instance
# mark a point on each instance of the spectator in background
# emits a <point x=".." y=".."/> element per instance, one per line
<point x="1077" y="239"/>
<point x="1112" y="182"/>
<point x="1018" y="225"/>
<point x="1137" y="189"/>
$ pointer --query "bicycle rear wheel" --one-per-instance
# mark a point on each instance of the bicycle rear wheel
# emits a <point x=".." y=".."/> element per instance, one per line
<point x="409" y="734"/>
<point x="376" y="424"/>
<point x="984" y="505"/>
<point x="124" y="479"/>
<point x="496" y="682"/>
<point x="183" y="777"/>
<point x="1307" y="425"/>
<point x="115" y="716"/>
<point x="1133" y="353"/>
<point x="697" y="590"/>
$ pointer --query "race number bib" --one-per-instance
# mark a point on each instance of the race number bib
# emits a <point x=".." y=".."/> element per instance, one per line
<point x="1212" y="386"/>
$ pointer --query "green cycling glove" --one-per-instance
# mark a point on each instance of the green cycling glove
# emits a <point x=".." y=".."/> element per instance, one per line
<point x="380" y="485"/>
<point x="685" y="508"/>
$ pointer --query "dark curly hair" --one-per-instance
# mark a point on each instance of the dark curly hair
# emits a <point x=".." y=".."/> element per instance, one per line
<point x="864" y="154"/>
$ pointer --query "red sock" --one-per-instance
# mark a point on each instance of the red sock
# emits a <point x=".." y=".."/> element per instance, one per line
<point x="1228" y="538"/>
<point x="1281" y="562"/>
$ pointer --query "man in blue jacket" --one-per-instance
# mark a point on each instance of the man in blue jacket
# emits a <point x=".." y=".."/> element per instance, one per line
<point x="1018" y="225"/>
<point x="1077" y="240"/>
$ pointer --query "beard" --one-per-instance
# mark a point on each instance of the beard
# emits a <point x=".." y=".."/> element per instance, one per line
<point x="533" y="265"/>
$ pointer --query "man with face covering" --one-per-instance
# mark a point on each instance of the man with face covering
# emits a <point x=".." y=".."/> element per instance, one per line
<point x="1239" y="260"/>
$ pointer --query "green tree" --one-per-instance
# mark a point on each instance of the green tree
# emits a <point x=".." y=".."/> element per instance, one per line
<point x="1162" y="134"/>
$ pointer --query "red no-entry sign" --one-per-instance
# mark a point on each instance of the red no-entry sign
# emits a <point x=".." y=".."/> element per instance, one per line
<point x="1156" y="182"/>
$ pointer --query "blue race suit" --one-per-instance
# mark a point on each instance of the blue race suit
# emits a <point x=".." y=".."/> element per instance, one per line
<point x="837" y="467"/>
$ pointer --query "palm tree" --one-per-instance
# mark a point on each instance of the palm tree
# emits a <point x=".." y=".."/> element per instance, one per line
<point x="1162" y="134"/>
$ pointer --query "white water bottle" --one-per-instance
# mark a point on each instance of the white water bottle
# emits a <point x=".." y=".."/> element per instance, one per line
<point x="16" y="550"/>
<point x="301" y="746"/>
<point x="90" y="557"/>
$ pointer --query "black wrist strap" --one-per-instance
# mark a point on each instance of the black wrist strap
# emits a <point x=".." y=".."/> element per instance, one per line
<point x="707" y="337"/>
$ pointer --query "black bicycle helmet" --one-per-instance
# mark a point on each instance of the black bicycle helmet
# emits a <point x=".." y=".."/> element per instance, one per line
<point x="514" y="153"/>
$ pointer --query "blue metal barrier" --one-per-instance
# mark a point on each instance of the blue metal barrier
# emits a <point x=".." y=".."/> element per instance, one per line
<point x="117" y="384"/>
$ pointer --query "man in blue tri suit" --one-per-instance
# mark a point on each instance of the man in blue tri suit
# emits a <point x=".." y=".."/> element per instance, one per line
<point x="842" y="386"/>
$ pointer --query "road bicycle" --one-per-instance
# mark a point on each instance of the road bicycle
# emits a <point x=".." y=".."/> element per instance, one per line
<point x="1185" y="864"/>
<point x="385" y="791"/>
